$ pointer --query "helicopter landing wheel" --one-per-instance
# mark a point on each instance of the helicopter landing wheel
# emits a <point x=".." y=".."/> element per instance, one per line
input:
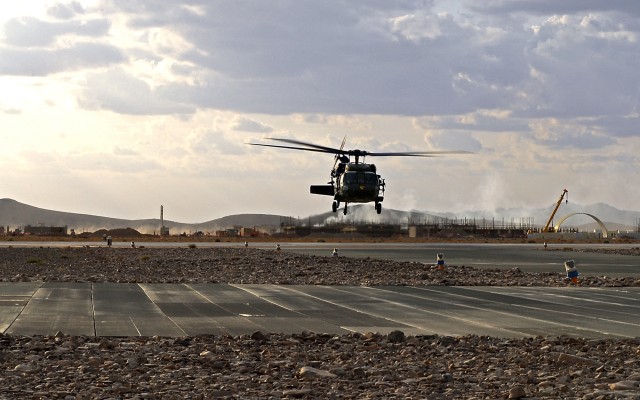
<point x="334" y="206"/>
<point x="378" y="208"/>
<point x="345" y="209"/>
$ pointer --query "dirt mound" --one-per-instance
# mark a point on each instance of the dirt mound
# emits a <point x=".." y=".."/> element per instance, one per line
<point x="121" y="232"/>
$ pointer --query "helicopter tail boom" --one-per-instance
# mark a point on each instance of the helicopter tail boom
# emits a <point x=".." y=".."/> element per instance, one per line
<point x="326" y="190"/>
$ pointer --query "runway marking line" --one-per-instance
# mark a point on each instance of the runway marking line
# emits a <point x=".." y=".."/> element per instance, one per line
<point x="253" y="293"/>
<point x="482" y="309"/>
<point x="23" y="307"/>
<point x="554" y="311"/>
<point x="392" y="319"/>
<point x="134" y="325"/>
<point x="574" y="306"/>
<point x="141" y="286"/>
<point x="458" y="318"/>
<point x="93" y="311"/>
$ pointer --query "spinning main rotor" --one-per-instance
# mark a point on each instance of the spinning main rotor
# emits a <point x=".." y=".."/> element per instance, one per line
<point x="351" y="182"/>
<point x="356" y="153"/>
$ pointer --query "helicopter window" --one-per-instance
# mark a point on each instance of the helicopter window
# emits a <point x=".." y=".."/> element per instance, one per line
<point x="360" y="177"/>
<point x="350" y="177"/>
<point x="371" y="178"/>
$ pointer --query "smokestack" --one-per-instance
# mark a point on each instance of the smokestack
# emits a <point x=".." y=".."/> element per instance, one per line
<point x="161" y="217"/>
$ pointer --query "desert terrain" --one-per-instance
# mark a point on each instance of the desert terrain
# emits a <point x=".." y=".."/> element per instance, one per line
<point x="309" y="365"/>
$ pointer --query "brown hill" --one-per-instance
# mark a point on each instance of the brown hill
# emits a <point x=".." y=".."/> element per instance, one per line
<point x="14" y="214"/>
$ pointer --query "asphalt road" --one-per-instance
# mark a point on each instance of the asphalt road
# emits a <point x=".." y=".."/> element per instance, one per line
<point x="527" y="257"/>
<point x="112" y="309"/>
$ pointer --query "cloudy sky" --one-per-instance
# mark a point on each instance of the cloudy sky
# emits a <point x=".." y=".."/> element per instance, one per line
<point x="116" y="107"/>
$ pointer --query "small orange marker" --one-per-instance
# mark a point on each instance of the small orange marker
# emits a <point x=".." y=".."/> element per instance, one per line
<point x="572" y="271"/>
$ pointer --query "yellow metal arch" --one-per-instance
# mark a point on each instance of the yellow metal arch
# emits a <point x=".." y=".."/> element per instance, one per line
<point x="605" y="233"/>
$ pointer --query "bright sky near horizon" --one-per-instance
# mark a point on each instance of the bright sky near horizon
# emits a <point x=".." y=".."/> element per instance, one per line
<point x="116" y="107"/>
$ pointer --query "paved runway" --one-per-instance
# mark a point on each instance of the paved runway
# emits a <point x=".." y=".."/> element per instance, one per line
<point x="114" y="309"/>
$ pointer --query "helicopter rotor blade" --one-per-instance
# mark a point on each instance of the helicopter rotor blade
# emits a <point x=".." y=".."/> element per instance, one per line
<point x="418" y="153"/>
<point x="354" y="152"/>
<point x="337" y="157"/>
<point x="290" y="147"/>
<point x="344" y="140"/>
<point x="315" y="146"/>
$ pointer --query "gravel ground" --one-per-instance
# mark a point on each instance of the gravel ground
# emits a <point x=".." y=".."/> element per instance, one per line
<point x="317" y="366"/>
<point x="305" y="365"/>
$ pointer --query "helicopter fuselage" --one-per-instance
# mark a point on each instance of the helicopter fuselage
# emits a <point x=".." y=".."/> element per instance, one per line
<point x="359" y="183"/>
<point x="353" y="183"/>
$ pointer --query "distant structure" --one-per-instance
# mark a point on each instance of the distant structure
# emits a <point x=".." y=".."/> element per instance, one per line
<point x="230" y="232"/>
<point x="249" y="231"/>
<point x="549" y="226"/>
<point x="164" y="231"/>
<point x="41" y="230"/>
<point x="605" y="231"/>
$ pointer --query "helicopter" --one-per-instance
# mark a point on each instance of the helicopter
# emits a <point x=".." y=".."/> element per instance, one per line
<point x="351" y="181"/>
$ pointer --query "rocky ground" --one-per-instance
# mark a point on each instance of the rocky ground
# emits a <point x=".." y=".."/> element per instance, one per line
<point x="305" y="365"/>
<point x="317" y="366"/>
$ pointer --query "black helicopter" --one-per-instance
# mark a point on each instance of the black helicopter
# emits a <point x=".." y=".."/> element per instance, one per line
<point x="352" y="182"/>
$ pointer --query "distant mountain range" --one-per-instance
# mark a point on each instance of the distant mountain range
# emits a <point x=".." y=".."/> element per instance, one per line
<point x="14" y="214"/>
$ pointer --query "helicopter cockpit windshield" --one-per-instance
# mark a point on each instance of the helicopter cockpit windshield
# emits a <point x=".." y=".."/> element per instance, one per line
<point x="357" y="177"/>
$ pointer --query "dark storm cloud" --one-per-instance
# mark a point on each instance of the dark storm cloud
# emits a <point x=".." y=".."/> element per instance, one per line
<point x="33" y="32"/>
<point x="125" y="94"/>
<point x="368" y="57"/>
<point x="334" y="57"/>
<point x="580" y="141"/>
<point x="583" y="71"/>
<point x="619" y="126"/>
<point x="573" y="60"/>
<point x="478" y="122"/>
<point x="550" y="7"/>
<point x="247" y="125"/>
<point x="42" y="62"/>
<point x="65" y="11"/>
<point x="29" y="47"/>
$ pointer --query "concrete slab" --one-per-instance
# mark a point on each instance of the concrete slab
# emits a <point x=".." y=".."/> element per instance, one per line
<point x="14" y="297"/>
<point x="406" y="312"/>
<point x="124" y="309"/>
<point x="111" y="309"/>
<point x="537" y="311"/>
<point x="57" y="306"/>
<point x="247" y="301"/>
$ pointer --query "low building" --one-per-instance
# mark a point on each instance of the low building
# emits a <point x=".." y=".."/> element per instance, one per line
<point x="45" y="230"/>
<point x="248" y="232"/>
<point x="231" y="232"/>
